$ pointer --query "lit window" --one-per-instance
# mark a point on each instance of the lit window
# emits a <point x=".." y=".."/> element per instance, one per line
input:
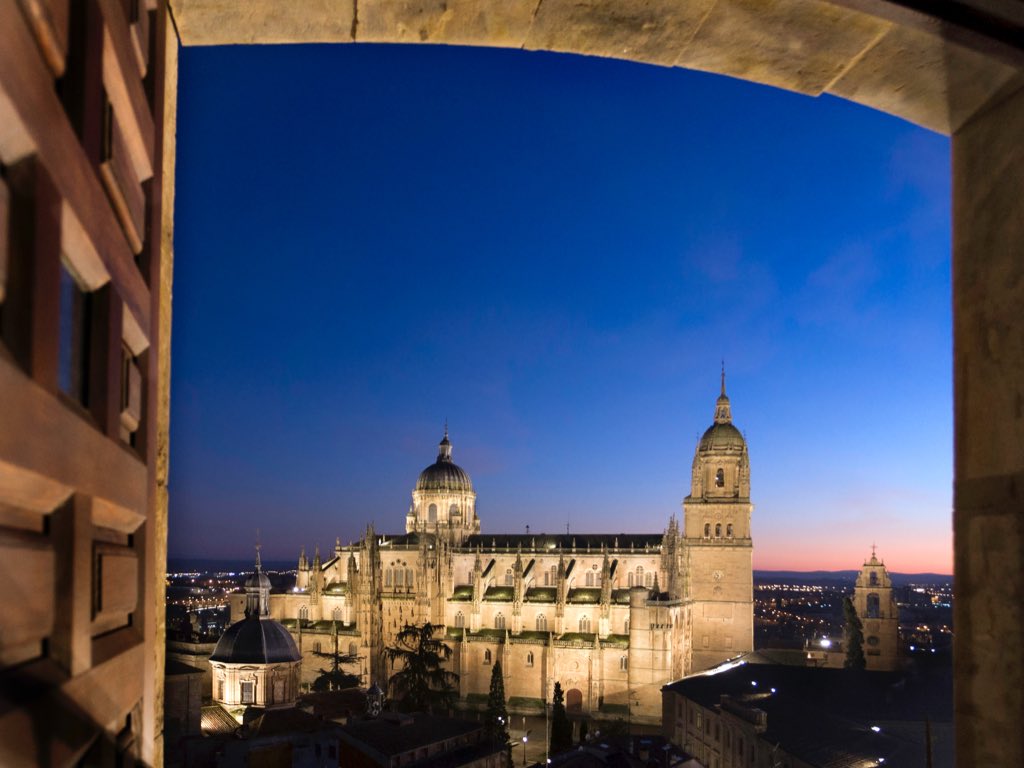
<point x="487" y="656"/>
<point x="499" y="621"/>
<point x="529" y="659"/>
<point x="720" y="478"/>
<point x="248" y="690"/>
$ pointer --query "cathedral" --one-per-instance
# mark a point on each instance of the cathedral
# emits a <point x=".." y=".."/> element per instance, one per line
<point x="612" y="617"/>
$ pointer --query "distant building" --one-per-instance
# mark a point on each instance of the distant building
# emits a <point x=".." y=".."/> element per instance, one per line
<point x="632" y="751"/>
<point x="418" y="740"/>
<point x="746" y="714"/>
<point x="876" y="607"/>
<point x="611" y="616"/>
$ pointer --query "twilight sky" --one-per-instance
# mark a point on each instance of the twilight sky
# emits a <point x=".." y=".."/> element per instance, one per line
<point x="554" y="253"/>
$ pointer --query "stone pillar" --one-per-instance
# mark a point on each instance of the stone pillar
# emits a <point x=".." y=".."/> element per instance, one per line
<point x="988" y="342"/>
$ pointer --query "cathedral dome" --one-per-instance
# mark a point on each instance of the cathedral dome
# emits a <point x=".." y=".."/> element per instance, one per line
<point x="723" y="436"/>
<point x="256" y="640"/>
<point x="444" y="474"/>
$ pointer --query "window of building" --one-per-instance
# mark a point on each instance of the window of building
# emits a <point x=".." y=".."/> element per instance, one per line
<point x="718" y="530"/>
<point x="873" y="579"/>
<point x="399" y="577"/>
<point x="460" y="619"/>
<point x="408" y="577"/>
<point x="585" y="624"/>
<point x="590" y="578"/>
<point x="487" y="656"/>
<point x="629" y="580"/>
<point x="707" y="530"/>
<point x="336" y="614"/>
<point x="529" y="659"/>
<point x="73" y="338"/>
<point x="728" y="530"/>
<point x="510" y="578"/>
<point x="648" y="579"/>
<point x="626" y="625"/>
<point x="303" y="613"/>
<point x="220" y="690"/>
<point x="387" y="577"/>
<point x="432" y="513"/>
<point x="873" y="606"/>
<point x="248" y="691"/>
<point x="639" y="575"/>
<point x="499" y="621"/>
<point x="316" y="647"/>
<point x="700" y="720"/>
<point x="542" y="623"/>
<point x="720" y="478"/>
<point x="453" y="511"/>
<point x="623" y="663"/>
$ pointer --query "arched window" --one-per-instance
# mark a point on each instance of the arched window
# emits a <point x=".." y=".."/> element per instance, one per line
<point x="542" y="623"/>
<point x="336" y="614"/>
<point x="728" y="530"/>
<point x="585" y="624"/>
<point x="303" y="612"/>
<point x="720" y="478"/>
<point x="432" y="513"/>
<point x="408" y="577"/>
<point x="624" y="663"/>
<point x="547" y="579"/>
<point x="316" y="647"/>
<point x="509" y="578"/>
<point x="639" y="575"/>
<point x="873" y="579"/>
<point x="626" y="626"/>
<point x="387" y="577"/>
<point x="554" y="575"/>
<point x="629" y="579"/>
<point x="487" y="656"/>
<point x="353" y="649"/>
<point x="707" y="530"/>
<point x="460" y="619"/>
<point x="718" y="530"/>
<point x="590" y="578"/>
<point x="499" y="621"/>
<point x="649" y="580"/>
<point x="529" y="659"/>
<point x="874" y="610"/>
<point x="399" y="577"/>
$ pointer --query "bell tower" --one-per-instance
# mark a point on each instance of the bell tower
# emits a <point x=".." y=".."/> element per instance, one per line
<point x="717" y="542"/>
<point x="876" y="606"/>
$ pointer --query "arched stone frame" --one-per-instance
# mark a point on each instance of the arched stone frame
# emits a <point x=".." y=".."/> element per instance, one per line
<point x="542" y="623"/>
<point x="499" y="620"/>
<point x="303" y="613"/>
<point x="584" y="623"/>
<point x="487" y="655"/>
<point x="939" y="52"/>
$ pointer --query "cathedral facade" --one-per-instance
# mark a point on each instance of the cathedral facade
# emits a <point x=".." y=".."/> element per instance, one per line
<point x="612" y="617"/>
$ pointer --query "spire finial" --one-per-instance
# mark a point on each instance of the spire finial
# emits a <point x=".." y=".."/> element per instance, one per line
<point x="873" y="550"/>
<point x="723" y="376"/>
<point x="445" y="427"/>
<point x="259" y="546"/>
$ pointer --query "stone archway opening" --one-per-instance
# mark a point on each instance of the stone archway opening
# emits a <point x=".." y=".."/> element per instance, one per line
<point x="957" y="69"/>
<point x="574" y="701"/>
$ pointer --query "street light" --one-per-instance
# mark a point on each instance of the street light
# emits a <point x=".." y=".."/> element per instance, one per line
<point x="525" y="739"/>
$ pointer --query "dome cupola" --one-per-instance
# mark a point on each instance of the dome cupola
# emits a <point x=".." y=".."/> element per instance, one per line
<point x="444" y="474"/>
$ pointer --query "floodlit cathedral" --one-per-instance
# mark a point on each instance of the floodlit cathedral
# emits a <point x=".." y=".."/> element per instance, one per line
<point x="611" y="617"/>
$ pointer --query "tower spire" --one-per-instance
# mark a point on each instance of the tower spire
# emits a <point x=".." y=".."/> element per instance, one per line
<point x="723" y="377"/>
<point x="723" y="411"/>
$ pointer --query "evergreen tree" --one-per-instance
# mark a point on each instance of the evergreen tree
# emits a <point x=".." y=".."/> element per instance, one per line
<point x="333" y="677"/>
<point x="854" y="637"/>
<point x="561" y="728"/>
<point x="496" y="715"/>
<point x="583" y="732"/>
<point x="419" y="683"/>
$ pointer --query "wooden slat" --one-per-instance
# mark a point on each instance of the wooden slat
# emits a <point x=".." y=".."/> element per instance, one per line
<point x="140" y="37"/>
<point x="80" y="252"/>
<point x="123" y="81"/>
<point x="124" y="189"/>
<point x="26" y="82"/>
<point x="41" y="435"/>
<point x="50" y="22"/>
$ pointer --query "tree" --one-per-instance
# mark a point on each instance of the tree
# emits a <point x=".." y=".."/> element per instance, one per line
<point x="854" y="637"/>
<point x="583" y="732"/>
<point x="561" y="728"/>
<point x="334" y="678"/>
<point x="496" y="715"/>
<point x="419" y="683"/>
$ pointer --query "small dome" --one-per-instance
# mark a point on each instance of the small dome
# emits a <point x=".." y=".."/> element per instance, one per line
<point x="258" y="580"/>
<point x="444" y="474"/>
<point x="256" y="640"/>
<point x="721" y="436"/>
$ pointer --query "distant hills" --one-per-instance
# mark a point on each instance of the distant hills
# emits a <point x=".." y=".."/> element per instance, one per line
<point x="846" y="577"/>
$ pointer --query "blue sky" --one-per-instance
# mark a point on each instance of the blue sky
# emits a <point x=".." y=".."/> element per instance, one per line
<point x="554" y="253"/>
